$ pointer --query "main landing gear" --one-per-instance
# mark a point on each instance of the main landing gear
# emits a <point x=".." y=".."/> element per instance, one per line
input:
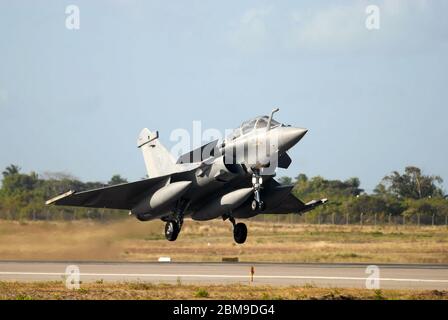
<point x="257" y="182"/>
<point x="174" y="222"/>
<point x="172" y="229"/>
<point x="239" y="230"/>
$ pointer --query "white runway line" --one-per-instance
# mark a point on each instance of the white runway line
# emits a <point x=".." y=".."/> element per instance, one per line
<point x="158" y="275"/>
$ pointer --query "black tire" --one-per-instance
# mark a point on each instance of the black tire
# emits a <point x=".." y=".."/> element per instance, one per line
<point x="254" y="205"/>
<point x="262" y="206"/>
<point x="171" y="230"/>
<point x="240" y="233"/>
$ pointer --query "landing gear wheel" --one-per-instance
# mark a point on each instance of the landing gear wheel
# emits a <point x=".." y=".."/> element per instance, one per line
<point x="254" y="205"/>
<point x="240" y="232"/>
<point x="257" y="205"/>
<point x="171" y="230"/>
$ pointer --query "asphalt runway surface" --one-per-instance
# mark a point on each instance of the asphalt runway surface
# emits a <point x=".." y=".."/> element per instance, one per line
<point x="398" y="276"/>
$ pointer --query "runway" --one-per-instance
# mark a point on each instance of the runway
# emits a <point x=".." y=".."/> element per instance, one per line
<point x="320" y="275"/>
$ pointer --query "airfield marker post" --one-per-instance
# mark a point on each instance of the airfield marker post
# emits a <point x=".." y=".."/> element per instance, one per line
<point x="252" y="271"/>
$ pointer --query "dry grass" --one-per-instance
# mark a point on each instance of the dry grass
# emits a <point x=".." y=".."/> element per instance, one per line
<point x="56" y="290"/>
<point x="131" y="240"/>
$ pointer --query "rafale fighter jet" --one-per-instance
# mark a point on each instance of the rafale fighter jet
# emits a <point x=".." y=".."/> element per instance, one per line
<point x="233" y="179"/>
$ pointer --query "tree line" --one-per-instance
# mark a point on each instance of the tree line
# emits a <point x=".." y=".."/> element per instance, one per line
<point x="411" y="194"/>
<point x="23" y="196"/>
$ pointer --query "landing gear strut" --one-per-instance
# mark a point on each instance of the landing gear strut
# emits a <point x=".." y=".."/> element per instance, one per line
<point x="257" y="182"/>
<point x="239" y="230"/>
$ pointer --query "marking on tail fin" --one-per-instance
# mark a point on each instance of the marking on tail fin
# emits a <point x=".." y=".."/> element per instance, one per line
<point x="146" y="136"/>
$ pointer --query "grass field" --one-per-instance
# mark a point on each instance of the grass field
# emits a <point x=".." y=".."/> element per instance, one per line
<point x="131" y="240"/>
<point x="137" y="290"/>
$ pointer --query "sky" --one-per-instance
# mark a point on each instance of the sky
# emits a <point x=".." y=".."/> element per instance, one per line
<point x="373" y="100"/>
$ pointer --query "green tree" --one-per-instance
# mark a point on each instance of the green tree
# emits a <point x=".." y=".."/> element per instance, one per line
<point x="117" y="179"/>
<point x="285" y="181"/>
<point x="381" y="190"/>
<point x="11" y="170"/>
<point x="19" y="182"/>
<point x="366" y="204"/>
<point x="318" y="186"/>
<point x="301" y="178"/>
<point x="411" y="184"/>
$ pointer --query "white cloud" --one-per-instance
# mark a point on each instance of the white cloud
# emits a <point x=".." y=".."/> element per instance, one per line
<point x="250" y="32"/>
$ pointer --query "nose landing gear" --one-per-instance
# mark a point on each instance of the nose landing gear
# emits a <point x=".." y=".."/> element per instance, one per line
<point x="257" y="182"/>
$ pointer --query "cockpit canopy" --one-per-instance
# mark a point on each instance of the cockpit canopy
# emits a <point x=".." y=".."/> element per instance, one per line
<point x="250" y="125"/>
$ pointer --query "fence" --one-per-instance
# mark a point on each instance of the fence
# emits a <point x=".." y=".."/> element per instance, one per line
<point x="361" y="219"/>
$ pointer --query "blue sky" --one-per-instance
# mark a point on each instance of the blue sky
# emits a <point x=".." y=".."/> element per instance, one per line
<point x="373" y="100"/>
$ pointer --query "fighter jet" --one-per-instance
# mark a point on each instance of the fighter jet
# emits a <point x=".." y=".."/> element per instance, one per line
<point x="232" y="179"/>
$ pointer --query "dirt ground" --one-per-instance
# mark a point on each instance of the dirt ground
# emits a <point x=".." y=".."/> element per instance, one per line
<point x="131" y="240"/>
<point x="56" y="290"/>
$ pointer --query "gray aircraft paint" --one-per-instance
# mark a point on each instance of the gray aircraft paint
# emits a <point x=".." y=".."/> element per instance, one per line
<point x="208" y="186"/>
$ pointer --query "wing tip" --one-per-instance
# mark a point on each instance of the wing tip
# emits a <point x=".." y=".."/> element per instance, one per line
<point x="315" y="203"/>
<point x="59" y="197"/>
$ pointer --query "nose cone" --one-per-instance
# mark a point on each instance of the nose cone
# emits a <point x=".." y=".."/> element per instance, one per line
<point x="290" y="136"/>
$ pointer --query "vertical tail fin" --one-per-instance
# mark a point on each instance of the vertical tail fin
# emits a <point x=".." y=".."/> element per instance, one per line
<point x="158" y="159"/>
